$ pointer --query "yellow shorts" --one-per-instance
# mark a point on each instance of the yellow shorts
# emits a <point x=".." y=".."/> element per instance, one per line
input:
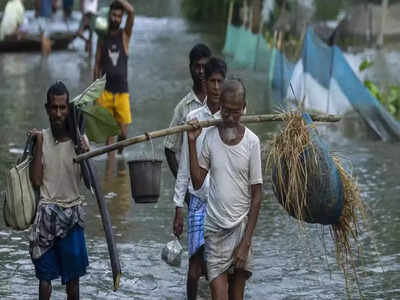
<point x="118" y="104"/>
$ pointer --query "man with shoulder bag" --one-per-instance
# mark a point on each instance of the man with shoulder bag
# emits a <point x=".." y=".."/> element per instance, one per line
<point x="57" y="240"/>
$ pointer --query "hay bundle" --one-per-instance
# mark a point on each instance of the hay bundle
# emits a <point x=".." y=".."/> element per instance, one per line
<point x="305" y="178"/>
<point x="347" y="228"/>
<point x="313" y="186"/>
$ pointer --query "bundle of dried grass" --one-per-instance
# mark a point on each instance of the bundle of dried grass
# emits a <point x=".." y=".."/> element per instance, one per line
<point x="293" y="174"/>
<point x="290" y="171"/>
<point x="347" y="228"/>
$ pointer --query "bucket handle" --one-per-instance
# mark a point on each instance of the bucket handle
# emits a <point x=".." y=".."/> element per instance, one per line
<point x="151" y="142"/>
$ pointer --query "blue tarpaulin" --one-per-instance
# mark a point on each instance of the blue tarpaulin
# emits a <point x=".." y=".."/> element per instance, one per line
<point x="322" y="78"/>
<point x="328" y="66"/>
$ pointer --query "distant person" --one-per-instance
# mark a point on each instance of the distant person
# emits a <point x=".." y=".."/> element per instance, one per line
<point x="67" y="8"/>
<point x="198" y="57"/>
<point x="13" y="18"/>
<point x="43" y="12"/>
<point x="44" y="8"/>
<point x="230" y="154"/>
<point x="215" y="72"/>
<point x="89" y="11"/>
<point x="112" y="60"/>
<point x="57" y="241"/>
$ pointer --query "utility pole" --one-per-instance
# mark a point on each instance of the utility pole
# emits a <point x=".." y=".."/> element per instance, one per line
<point x="382" y="29"/>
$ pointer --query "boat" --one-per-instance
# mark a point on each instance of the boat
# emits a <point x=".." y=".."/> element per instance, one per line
<point x="59" y="41"/>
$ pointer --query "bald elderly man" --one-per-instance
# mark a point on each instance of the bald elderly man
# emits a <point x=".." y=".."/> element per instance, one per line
<point x="231" y="156"/>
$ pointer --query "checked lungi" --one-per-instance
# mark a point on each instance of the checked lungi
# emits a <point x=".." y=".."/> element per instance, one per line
<point x="196" y="214"/>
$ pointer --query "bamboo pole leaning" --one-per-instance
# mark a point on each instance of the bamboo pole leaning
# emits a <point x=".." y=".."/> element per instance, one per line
<point x="247" y="119"/>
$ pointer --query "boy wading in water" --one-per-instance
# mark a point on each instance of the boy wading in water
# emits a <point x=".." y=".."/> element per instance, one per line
<point x="231" y="156"/>
<point x="215" y="71"/>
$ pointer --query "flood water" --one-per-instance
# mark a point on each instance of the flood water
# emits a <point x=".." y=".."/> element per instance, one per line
<point x="289" y="264"/>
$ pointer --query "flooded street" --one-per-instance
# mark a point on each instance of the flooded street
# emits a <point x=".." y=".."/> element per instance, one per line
<point x="289" y="263"/>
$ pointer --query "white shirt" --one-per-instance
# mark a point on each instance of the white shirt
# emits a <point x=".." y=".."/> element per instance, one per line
<point x="90" y="6"/>
<point x="233" y="169"/>
<point x="187" y="104"/>
<point x="13" y="17"/>
<point x="183" y="181"/>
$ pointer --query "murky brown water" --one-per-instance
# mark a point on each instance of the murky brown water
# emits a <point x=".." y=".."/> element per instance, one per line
<point x="288" y="264"/>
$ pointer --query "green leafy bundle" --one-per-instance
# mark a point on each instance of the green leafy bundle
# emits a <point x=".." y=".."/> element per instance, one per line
<point x="100" y="123"/>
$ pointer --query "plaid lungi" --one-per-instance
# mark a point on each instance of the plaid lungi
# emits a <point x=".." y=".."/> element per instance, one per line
<point x="196" y="214"/>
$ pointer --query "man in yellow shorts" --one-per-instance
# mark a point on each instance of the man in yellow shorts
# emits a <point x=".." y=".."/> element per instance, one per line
<point x="111" y="59"/>
<point x="118" y="104"/>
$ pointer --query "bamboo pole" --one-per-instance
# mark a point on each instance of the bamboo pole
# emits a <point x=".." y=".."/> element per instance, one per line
<point x="245" y="17"/>
<point x="272" y="60"/>
<point x="230" y="13"/>
<point x="176" y="129"/>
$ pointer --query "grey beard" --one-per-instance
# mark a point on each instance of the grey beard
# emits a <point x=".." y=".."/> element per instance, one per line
<point x="230" y="134"/>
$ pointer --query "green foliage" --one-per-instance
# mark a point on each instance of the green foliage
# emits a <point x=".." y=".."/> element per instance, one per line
<point x="91" y="93"/>
<point x="100" y="123"/>
<point x="365" y="64"/>
<point x="390" y="97"/>
<point x="328" y="9"/>
<point x="393" y="101"/>
<point x="206" y="10"/>
<point x="269" y="37"/>
<point x="374" y="90"/>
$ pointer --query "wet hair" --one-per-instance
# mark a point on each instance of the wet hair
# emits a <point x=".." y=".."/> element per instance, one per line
<point x="215" y="65"/>
<point x="57" y="89"/>
<point x="116" y="5"/>
<point x="236" y="87"/>
<point x="198" y="52"/>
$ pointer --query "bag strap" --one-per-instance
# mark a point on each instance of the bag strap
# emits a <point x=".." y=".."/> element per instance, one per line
<point x="28" y="150"/>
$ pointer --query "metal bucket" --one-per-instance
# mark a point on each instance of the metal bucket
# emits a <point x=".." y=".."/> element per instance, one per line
<point x="145" y="175"/>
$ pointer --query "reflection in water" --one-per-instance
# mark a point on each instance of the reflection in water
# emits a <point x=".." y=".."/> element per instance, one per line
<point x="15" y="66"/>
<point x="117" y="187"/>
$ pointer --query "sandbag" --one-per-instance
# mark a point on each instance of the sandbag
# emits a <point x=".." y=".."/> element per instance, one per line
<point x="20" y="201"/>
<point x="324" y="188"/>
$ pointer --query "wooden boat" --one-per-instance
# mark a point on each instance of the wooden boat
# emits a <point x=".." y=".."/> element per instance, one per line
<point x="59" y="41"/>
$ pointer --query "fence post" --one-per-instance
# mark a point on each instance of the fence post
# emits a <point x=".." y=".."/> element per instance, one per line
<point x="382" y="29"/>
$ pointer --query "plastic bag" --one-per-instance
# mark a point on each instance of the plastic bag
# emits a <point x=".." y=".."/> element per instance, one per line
<point x="172" y="253"/>
<point x="101" y="21"/>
